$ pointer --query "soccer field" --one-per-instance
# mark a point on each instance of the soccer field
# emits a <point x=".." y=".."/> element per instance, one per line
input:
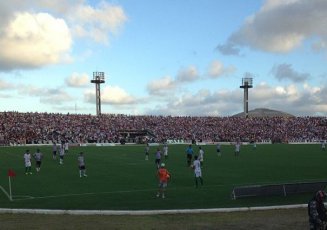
<point x="119" y="178"/>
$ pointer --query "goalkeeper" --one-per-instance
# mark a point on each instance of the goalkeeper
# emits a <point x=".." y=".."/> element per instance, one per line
<point x="163" y="176"/>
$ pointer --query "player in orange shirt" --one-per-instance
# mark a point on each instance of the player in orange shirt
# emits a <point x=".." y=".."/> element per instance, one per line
<point x="163" y="176"/>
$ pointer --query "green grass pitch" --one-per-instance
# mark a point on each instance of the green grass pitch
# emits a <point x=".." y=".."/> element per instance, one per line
<point x="119" y="178"/>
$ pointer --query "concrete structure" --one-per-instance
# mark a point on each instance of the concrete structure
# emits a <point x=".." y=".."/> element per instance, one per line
<point x="246" y="84"/>
<point x="98" y="78"/>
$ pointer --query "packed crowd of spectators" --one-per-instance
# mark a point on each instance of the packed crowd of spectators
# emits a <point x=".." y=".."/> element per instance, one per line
<point x="24" y="128"/>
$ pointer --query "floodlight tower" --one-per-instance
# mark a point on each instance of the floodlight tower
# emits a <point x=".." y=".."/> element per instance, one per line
<point x="246" y="85"/>
<point x="98" y="78"/>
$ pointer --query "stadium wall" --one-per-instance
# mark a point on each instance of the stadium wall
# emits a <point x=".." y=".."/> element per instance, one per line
<point x="145" y="212"/>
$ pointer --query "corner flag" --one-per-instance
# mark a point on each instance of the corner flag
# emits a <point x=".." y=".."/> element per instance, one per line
<point x="11" y="173"/>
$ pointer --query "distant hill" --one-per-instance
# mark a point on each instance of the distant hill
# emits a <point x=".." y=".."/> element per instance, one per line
<point x="263" y="112"/>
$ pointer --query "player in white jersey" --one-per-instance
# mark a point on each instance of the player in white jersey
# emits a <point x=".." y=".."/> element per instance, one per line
<point x="66" y="147"/>
<point x="28" y="163"/>
<point x="165" y="150"/>
<point x="54" y="150"/>
<point x="254" y="145"/>
<point x="81" y="165"/>
<point x="218" y="149"/>
<point x="323" y="145"/>
<point x="147" y="150"/>
<point x="61" y="154"/>
<point x="201" y="155"/>
<point x="197" y="171"/>
<point x="237" y="148"/>
<point x="38" y="158"/>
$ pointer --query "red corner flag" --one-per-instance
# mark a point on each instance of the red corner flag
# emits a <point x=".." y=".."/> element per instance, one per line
<point x="11" y="173"/>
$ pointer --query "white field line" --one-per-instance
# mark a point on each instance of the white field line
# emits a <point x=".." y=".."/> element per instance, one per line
<point x="144" y="212"/>
<point x="129" y="212"/>
<point x="5" y="192"/>
<point x="26" y="197"/>
<point x="86" y="194"/>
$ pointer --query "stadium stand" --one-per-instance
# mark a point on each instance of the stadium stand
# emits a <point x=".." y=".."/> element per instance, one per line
<point x="31" y="128"/>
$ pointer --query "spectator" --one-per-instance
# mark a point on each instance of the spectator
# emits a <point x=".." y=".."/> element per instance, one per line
<point x="27" y="128"/>
<point x="317" y="211"/>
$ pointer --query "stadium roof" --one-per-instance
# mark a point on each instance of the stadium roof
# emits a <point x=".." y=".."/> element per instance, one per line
<point x="263" y="112"/>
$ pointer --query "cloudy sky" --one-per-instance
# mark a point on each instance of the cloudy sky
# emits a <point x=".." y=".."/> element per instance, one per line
<point x="163" y="57"/>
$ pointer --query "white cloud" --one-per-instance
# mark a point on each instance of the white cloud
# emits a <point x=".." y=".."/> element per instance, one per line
<point x="4" y="85"/>
<point x="188" y="74"/>
<point x="285" y="71"/>
<point x="116" y="95"/>
<point x="217" y="69"/>
<point x="201" y="103"/>
<point x="97" y="22"/>
<point x="161" y="86"/>
<point x="281" y="95"/>
<point x="293" y="99"/>
<point x="298" y="100"/>
<point x="319" y="45"/>
<point x="57" y="97"/>
<point x="38" y="33"/>
<point x="165" y="85"/>
<point x="78" y="80"/>
<point x="228" y="49"/>
<point x="50" y="96"/>
<point x="113" y="95"/>
<point x="33" y="40"/>
<point x="281" y="26"/>
<point x="312" y="89"/>
<point x="53" y="6"/>
<point x="272" y="4"/>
